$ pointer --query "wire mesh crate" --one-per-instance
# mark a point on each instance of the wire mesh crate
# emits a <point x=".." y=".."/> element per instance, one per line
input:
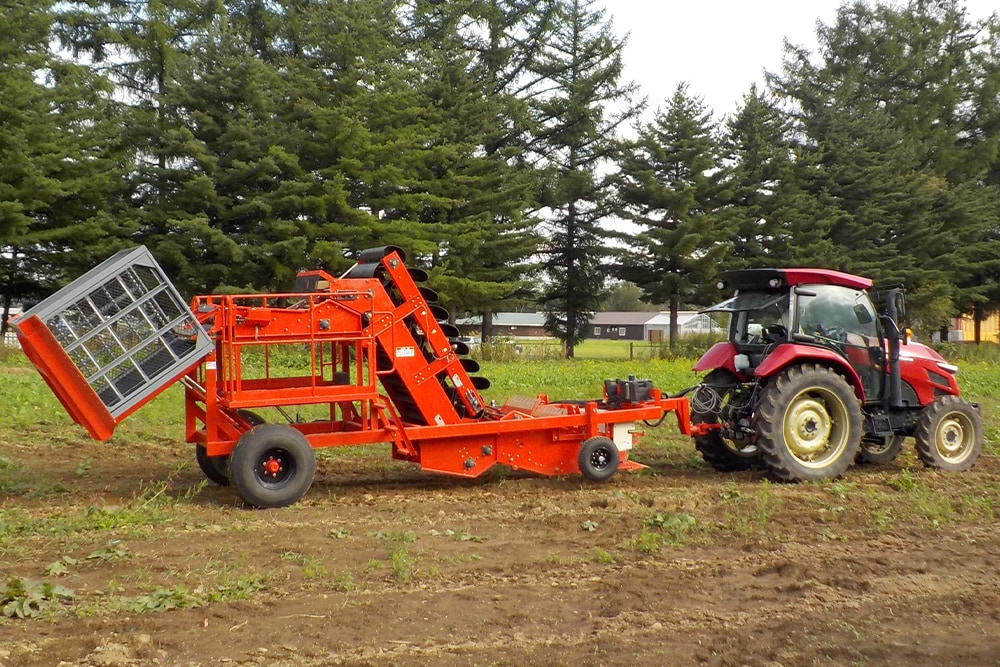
<point x="124" y="329"/>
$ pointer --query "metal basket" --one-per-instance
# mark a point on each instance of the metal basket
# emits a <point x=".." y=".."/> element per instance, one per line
<point x="123" y="326"/>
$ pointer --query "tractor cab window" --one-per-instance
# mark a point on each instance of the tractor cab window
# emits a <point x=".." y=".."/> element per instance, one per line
<point x="758" y="318"/>
<point x="845" y="320"/>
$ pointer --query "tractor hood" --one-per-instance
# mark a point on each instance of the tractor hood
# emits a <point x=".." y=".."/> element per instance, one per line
<point x="921" y="352"/>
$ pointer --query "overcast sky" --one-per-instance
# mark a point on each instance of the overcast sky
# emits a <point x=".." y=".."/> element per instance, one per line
<point x="719" y="47"/>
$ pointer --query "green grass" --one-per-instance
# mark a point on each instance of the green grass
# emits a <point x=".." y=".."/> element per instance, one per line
<point x="63" y="535"/>
<point x="534" y="349"/>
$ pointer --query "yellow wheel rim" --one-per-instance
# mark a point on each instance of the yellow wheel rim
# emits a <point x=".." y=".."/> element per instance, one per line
<point x="953" y="437"/>
<point x="816" y="427"/>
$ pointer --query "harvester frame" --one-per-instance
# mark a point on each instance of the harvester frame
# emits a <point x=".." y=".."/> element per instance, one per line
<point x="383" y="366"/>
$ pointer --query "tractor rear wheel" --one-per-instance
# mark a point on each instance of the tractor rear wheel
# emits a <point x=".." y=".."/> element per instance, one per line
<point x="598" y="458"/>
<point x="950" y="434"/>
<point x="808" y="424"/>
<point x="710" y="400"/>
<point x="272" y="465"/>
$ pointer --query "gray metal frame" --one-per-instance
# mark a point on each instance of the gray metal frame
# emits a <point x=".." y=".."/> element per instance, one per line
<point x="125" y="327"/>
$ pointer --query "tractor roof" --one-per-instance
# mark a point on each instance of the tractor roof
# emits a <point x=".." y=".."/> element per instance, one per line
<point x="775" y="278"/>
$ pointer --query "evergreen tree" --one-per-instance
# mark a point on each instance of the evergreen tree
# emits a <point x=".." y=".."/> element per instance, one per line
<point x="574" y="107"/>
<point x="899" y="129"/>
<point x="670" y="187"/>
<point x="144" y="48"/>
<point x="59" y="167"/>
<point x="467" y="194"/>
<point x="757" y="154"/>
<point x="238" y="220"/>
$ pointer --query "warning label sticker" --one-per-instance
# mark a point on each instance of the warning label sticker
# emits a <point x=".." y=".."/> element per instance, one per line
<point x="408" y="351"/>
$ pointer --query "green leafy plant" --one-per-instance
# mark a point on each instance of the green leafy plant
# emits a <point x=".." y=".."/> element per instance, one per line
<point x="905" y="481"/>
<point x="60" y="566"/>
<point x="675" y="526"/>
<point x="27" y="598"/>
<point x="83" y="469"/>
<point x="113" y="550"/>
<point x="602" y="556"/>
<point x="402" y="563"/>
<point x="163" y="599"/>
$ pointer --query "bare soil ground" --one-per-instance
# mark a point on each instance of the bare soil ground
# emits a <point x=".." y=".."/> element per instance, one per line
<point x="382" y="564"/>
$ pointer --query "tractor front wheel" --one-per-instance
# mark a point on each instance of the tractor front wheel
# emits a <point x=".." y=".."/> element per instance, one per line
<point x="598" y="458"/>
<point x="808" y="424"/>
<point x="950" y="434"/>
<point x="272" y="465"/>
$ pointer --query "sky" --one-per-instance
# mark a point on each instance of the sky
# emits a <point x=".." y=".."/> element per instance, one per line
<point x="720" y="47"/>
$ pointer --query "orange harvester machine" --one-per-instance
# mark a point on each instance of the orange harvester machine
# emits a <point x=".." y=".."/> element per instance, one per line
<point x="367" y="357"/>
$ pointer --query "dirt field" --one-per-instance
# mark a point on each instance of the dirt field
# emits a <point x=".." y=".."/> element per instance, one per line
<point x="382" y="564"/>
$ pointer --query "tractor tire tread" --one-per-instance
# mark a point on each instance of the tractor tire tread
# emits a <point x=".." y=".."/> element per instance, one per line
<point x="927" y="424"/>
<point x="769" y="417"/>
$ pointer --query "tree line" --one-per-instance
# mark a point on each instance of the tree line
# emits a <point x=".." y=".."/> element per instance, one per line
<point x="497" y="143"/>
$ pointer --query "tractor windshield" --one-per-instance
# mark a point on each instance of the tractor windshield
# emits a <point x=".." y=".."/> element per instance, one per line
<point x="845" y="321"/>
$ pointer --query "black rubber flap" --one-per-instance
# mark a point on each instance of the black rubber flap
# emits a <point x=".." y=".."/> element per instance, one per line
<point x="376" y="254"/>
<point x="430" y="296"/>
<point x="363" y="270"/>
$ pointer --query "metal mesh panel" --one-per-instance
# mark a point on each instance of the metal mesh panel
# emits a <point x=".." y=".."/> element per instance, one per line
<point x="125" y="328"/>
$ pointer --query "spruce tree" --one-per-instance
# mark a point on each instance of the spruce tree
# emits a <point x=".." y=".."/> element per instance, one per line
<point x="59" y="163"/>
<point x="579" y="107"/>
<point x="670" y="187"/>
<point x="757" y="153"/>
<point x="898" y="120"/>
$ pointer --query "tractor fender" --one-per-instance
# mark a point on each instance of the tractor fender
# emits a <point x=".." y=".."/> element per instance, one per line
<point x="720" y="355"/>
<point x="793" y="353"/>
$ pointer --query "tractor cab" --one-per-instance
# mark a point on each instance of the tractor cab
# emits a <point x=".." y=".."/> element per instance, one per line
<point x="818" y="308"/>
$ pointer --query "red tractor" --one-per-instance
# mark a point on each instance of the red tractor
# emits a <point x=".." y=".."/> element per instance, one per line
<point x="817" y="374"/>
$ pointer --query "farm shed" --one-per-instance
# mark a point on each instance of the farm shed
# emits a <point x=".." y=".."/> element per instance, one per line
<point x="688" y="322"/>
<point x="619" y="325"/>
<point x="612" y="325"/>
<point x="514" y="325"/>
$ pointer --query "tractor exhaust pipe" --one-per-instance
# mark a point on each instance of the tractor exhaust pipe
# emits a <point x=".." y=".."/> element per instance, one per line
<point x="893" y="311"/>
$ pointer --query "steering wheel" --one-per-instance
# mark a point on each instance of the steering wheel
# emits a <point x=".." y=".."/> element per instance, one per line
<point x="833" y="333"/>
<point x="775" y="333"/>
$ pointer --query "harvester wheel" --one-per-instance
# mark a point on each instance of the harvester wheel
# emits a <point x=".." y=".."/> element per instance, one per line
<point x="272" y="465"/>
<point x="950" y="434"/>
<point x="598" y="458"/>
<point x="216" y="468"/>
<point x="880" y="450"/>
<point x="252" y="417"/>
<point x="808" y="423"/>
<point x="712" y="398"/>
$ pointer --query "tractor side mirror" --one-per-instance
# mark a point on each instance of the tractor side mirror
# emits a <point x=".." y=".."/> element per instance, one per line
<point x="900" y="303"/>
